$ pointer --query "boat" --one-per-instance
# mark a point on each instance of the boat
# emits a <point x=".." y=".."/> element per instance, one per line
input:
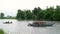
<point x="7" y="22"/>
<point x="39" y="24"/>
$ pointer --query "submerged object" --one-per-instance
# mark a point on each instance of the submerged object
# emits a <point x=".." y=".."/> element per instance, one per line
<point x="38" y="24"/>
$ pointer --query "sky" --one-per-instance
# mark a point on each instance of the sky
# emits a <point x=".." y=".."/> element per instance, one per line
<point x="10" y="7"/>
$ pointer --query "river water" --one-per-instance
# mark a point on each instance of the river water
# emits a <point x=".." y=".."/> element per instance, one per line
<point x="20" y="27"/>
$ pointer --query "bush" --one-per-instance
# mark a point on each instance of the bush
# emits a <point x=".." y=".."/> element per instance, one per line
<point x="1" y="31"/>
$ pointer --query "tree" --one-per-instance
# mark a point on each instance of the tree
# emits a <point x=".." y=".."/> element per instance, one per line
<point x="39" y="14"/>
<point x="36" y="11"/>
<point x="2" y="15"/>
<point x="20" y="15"/>
<point x="57" y="13"/>
<point x="49" y="13"/>
<point x="28" y="15"/>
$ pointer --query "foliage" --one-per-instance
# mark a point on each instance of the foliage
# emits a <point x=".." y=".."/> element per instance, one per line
<point x="57" y="13"/>
<point x="28" y="15"/>
<point x="1" y="31"/>
<point x="1" y="15"/>
<point x="40" y="14"/>
<point x="20" y="15"/>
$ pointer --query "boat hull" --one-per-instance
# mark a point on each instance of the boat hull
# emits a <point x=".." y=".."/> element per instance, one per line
<point x="38" y="25"/>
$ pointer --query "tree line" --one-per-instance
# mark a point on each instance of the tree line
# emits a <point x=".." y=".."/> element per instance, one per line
<point x="2" y="16"/>
<point x="52" y="14"/>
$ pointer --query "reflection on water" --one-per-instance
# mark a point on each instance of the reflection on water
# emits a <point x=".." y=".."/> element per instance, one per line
<point x="20" y="27"/>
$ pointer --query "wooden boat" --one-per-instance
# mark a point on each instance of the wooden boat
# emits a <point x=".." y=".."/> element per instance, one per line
<point x="38" y="24"/>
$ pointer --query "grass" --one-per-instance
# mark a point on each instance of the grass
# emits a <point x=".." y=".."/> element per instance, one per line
<point x="1" y="31"/>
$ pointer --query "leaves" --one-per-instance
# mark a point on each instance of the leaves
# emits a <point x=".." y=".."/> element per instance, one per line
<point x="40" y="14"/>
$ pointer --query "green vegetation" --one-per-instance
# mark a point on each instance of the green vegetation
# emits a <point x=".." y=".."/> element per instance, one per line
<point x="52" y="14"/>
<point x="20" y="15"/>
<point x="1" y="31"/>
<point x="1" y="15"/>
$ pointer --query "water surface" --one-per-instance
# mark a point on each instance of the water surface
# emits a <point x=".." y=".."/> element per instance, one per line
<point x="20" y="27"/>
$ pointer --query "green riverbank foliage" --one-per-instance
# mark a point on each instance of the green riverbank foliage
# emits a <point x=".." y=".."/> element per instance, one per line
<point x="1" y="31"/>
<point x="51" y="13"/>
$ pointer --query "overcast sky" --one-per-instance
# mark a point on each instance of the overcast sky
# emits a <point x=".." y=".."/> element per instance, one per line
<point x="10" y="7"/>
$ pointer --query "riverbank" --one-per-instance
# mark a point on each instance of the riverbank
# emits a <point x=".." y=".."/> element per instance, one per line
<point x="27" y="20"/>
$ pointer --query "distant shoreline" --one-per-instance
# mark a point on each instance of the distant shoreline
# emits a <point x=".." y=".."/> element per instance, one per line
<point x="28" y="20"/>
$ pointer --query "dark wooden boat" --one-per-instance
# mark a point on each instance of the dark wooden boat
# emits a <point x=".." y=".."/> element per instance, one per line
<point x="38" y="24"/>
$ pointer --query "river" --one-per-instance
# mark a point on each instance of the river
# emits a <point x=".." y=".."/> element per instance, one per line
<point x="20" y="27"/>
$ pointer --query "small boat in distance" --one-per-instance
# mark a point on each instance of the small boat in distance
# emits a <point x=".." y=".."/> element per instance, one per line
<point x="7" y="22"/>
<point x="39" y="24"/>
